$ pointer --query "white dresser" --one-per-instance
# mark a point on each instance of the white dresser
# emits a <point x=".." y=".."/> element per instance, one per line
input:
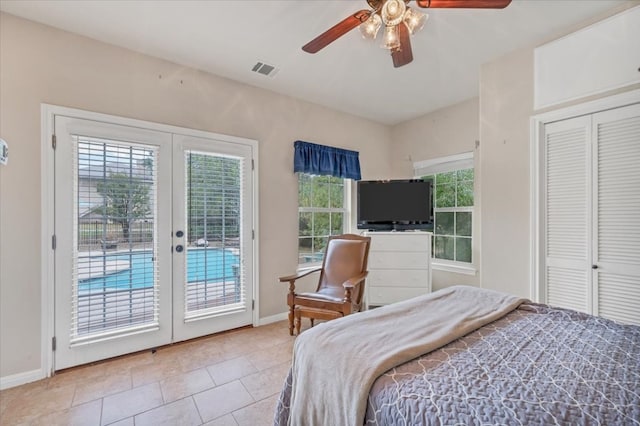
<point x="399" y="266"/>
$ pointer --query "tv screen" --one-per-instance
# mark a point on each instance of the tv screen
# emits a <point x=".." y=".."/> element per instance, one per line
<point x="395" y="205"/>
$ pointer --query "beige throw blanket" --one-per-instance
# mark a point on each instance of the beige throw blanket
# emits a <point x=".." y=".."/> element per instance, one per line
<point x="335" y="363"/>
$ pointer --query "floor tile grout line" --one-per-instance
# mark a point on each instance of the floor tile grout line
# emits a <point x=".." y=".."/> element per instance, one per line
<point x="193" y="400"/>
<point x="247" y="391"/>
<point x="164" y="400"/>
<point x="215" y="385"/>
<point x="101" y="410"/>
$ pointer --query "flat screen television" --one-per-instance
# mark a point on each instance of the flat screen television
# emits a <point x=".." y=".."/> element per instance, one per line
<point x="400" y="205"/>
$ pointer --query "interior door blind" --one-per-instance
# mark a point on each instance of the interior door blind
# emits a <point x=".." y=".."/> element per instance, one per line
<point x="115" y="276"/>
<point x="566" y="214"/>
<point x="214" y="266"/>
<point x="618" y="214"/>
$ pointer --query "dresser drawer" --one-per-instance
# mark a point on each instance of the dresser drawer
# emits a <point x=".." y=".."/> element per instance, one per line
<point x="398" y="278"/>
<point x="399" y="266"/>
<point x="401" y="242"/>
<point x="398" y="260"/>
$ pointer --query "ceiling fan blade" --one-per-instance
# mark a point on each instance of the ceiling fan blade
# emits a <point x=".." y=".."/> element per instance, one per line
<point x="402" y="55"/>
<point x="338" y="30"/>
<point x="464" y="4"/>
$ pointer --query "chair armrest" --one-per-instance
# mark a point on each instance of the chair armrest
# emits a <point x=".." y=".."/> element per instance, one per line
<point x="299" y="274"/>
<point x="352" y="282"/>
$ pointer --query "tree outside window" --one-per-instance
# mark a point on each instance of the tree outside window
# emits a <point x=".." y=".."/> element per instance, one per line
<point x="453" y="215"/>
<point x="321" y="213"/>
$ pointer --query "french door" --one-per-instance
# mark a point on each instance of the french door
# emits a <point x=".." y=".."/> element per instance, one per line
<point x="212" y="236"/>
<point x="153" y="238"/>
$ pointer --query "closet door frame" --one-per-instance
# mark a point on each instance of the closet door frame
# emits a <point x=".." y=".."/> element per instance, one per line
<point x="536" y="190"/>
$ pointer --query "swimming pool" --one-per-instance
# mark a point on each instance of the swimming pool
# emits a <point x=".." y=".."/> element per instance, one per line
<point x="203" y="265"/>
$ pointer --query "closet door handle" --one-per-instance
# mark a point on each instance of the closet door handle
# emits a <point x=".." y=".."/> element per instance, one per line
<point x="594" y="266"/>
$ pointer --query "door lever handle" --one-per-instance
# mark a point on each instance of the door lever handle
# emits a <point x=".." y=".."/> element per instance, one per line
<point x="594" y="266"/>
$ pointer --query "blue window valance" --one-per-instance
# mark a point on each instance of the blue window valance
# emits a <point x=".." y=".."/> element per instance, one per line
<point x="326" y="160"/>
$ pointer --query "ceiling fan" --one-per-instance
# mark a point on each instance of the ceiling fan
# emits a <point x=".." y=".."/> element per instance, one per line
<point x="400" y="21"/>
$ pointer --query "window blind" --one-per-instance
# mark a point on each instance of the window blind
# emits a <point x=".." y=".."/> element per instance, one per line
<point x="213" y="266"/>
<point x="115" y="276"/>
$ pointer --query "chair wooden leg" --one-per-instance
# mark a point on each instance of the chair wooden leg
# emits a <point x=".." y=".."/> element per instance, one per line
<point x="311" y="322"/>
<point x="291" y="301"/>
<point x="298" y="323"/>
<point x="291" y="321"/>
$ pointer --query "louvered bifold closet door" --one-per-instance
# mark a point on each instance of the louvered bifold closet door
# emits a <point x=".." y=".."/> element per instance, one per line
<point x="617" y="213"/>
<point x="567" y="162"/>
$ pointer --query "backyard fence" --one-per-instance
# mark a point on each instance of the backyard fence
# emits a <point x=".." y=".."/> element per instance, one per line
<point x="96" y="233"/>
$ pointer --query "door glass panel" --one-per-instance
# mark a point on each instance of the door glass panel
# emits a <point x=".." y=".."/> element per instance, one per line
<point x="115" y="286"/>
<point x="213" y="263"/>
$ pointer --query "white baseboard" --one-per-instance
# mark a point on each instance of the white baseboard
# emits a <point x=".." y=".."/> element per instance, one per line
<point x="21" y="378"/>
<point x="273" y="318"/>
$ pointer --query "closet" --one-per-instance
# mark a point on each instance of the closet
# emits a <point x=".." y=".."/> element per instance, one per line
<point x="590" y="214"/>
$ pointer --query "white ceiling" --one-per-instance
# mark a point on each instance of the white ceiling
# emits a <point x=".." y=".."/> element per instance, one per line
<point x="353" y="75"/>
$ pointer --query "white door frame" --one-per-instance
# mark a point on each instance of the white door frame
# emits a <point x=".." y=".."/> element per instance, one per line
<point x="537" y="124"/>
<point x="47" y="301"/>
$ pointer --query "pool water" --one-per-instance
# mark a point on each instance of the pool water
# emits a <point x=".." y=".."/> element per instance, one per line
<point x="203" y="265"/>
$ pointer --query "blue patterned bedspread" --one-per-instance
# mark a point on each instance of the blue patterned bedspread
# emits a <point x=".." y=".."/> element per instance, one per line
<point x="536" y="365"/>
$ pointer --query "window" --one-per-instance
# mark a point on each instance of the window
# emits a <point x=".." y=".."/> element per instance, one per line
<point x="322" y="210"/>
<point x="452" y="179"/>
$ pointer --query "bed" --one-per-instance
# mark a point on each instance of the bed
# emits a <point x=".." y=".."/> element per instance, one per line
<point x="495" y="359"/>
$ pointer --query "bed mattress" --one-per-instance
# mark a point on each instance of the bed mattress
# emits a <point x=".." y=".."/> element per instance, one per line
<point x="536" y="365"/>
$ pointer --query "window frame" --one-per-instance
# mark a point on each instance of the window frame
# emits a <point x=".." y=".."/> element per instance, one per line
<point x="430" y="168"/>
<point x="345" y="210"/>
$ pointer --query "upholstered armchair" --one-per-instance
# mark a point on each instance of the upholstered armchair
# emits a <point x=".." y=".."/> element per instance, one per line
<point x="340" y="285"/>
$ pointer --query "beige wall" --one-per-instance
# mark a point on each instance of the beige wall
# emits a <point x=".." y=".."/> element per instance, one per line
<point x="39" y="64"/>
<point x="502" y="215"/>
<point x="448" y="131"/>
<point x="506" y="105"/>
<point x="42" y="65"/>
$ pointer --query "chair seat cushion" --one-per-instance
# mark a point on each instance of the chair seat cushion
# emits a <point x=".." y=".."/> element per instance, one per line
<point x="328" y="294"/>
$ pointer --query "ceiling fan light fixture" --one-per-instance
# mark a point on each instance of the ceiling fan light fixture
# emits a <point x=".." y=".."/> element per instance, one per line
<point x="369" y="28"/>
<point x="414" y="20"/>
<point x="393" y="12"/>
<point x="391" y="37"/>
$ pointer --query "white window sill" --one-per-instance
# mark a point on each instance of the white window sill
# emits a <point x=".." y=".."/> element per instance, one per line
<point x="457" y="268"/>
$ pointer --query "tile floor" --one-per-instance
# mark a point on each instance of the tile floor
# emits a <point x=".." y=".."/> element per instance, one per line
<point x="229" y="379"/>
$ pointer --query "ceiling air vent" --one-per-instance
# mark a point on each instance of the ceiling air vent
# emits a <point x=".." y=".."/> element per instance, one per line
<point x="265" y="69"/>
